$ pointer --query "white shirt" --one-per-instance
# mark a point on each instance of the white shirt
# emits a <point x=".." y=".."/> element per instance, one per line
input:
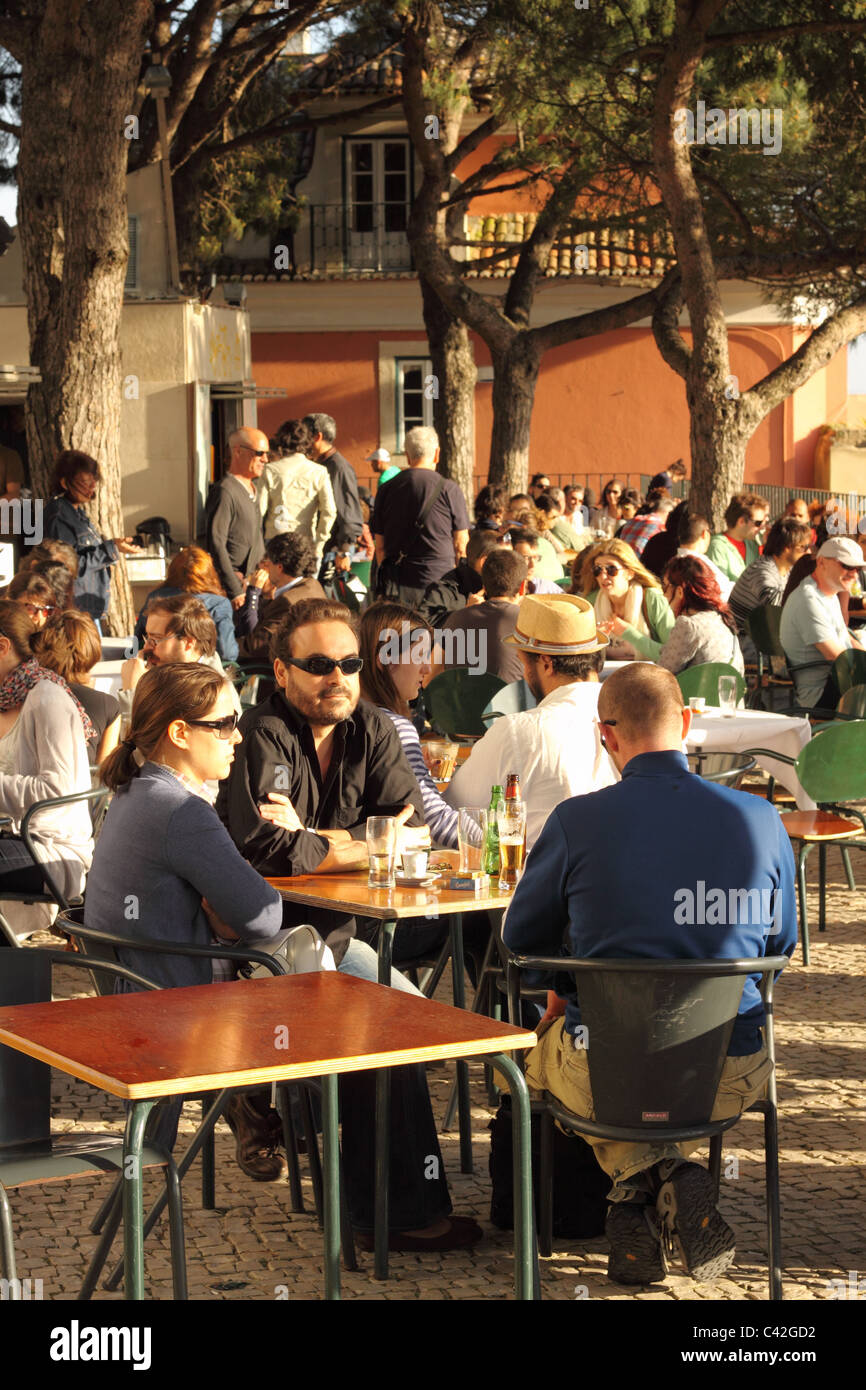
<point x="724" y="583"/>
<point x="555" y="749"/>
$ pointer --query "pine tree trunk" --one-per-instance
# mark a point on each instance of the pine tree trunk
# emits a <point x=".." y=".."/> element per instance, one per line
<point x="515" y="373"/>
<point x="718" y="447"/>
<point x="454" y="399"/>
<point x="79" y="79"/>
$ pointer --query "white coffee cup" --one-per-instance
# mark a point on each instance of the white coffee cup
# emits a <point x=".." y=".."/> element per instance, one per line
<point x="698" y="703"/>
<point x="414" y="862"/>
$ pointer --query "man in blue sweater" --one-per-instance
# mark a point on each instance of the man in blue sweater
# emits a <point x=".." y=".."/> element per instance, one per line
<point x="662" y="865"/>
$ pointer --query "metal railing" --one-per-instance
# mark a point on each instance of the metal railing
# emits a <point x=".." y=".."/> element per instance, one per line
<point x="348" y="239"/>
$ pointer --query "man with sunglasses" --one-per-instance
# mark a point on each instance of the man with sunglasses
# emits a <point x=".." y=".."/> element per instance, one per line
<point x="234" y="523"/>
<point x="813" y="631"/>
<point x="315" y="762"/>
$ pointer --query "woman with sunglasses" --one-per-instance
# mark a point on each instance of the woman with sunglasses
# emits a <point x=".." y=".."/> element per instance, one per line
<point x="606" y="516"/>
<point x="43" y="755"/>
<point x="76" y="478"/>
<point x="628" y="600"/>
<point x="35" y="595"/>
<point x="705" y="628"/>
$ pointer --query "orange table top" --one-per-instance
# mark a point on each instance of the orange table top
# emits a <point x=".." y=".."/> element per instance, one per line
<point x="202" y="1038"/>
<point x="350" y="892"/>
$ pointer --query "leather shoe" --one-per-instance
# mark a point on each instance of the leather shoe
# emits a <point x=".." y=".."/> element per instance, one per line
<point x="462" y="1233"/>
<point x="257" y="1140"/>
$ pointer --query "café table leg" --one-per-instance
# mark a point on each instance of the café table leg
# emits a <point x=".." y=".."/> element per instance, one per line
<point x="386" y="944"/>
<point x="524" y="1234"/>
<point x="458" y="972"/>
<point x="383" y="1125"/>
<point x="331" y="1176"/>
<point x="133" y="1216"/>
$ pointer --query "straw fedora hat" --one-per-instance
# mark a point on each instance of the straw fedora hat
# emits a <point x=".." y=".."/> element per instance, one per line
<point x="558" y="625"/>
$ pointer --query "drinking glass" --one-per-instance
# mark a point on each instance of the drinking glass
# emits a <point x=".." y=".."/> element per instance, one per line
<point x="471" y="834"/>
<point x="440" y="755"/>
<point x="728" y="695"/>
<point x="511" y="820"/>
<point x="382" y="849"/>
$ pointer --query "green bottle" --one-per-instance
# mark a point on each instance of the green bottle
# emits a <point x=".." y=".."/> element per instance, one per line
<point x="490" y="861"/>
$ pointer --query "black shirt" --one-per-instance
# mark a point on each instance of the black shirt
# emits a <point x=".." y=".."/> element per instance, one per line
<point x="234" y="532"/>
<point x="449" y="594"/>
<point x="103" y="709"/>
<point x="430" y="551"/>
<point x="368" y="776"/>
<point x="344" y="484"/>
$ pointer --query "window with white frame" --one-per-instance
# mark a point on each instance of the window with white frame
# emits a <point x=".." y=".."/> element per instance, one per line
<point x="414" y="379"/>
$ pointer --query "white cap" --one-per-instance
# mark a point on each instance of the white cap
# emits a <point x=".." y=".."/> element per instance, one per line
<point x="378" y="456"/>
<point x="842" y="548"/>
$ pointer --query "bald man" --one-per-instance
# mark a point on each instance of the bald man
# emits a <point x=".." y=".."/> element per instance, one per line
<point x="661" y="866"/>
<point x="234" y="524"/>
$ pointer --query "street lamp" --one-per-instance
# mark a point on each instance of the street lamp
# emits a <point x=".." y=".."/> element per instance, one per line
<point x="157" y="83"/>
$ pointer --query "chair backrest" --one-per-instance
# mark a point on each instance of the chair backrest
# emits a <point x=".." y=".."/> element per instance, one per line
<point x="849" y="668"/>
<point x="103" y="983"/>
<point x="704" y="680"/>
<point x="764" y="624"/>
<point x="657" y="1035"/>
<point x="832" y="766"/>
<point x="513" y="698"/>
<point x="25" y="1084"/>
<point x="729" y="768"/>
<point x="455" y="701"/>
<point x="853" y="702"/>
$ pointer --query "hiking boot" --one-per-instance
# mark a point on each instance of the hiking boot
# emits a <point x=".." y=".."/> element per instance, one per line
<point x="692" y="1225"/>
<point x="257" y="1140"/>
<point x="636" y="1255"/>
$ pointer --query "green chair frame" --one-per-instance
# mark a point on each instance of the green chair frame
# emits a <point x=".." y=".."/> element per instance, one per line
<point x="703" y="680"/>
<point x="849" y="668"/>
<point x="514" y="698"/>
<point x="832" y="771"/>
<point x="455" y="701"/>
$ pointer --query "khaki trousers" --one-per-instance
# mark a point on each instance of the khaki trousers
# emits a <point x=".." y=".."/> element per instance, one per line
<point x="557" y="1066"/>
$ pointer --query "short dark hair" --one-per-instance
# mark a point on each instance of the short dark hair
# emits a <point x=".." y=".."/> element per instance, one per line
<point x="325" y="425"/>
<point x="536" y="479"/>
<point x="293" y="437"/>
<point x="527" y="534"/>
<point x="545" y="503"/>
<point x="58" y="577"/>
<point x="309" y="610"/>
<point x="503" y="573"/>
<point x="784" y="533"/>
<point x="692" y="526"/>
<point x="741" y="504"/>
<point x="490" y="500"/>
<point x="188" y="617"/>
<point x="578" y="666"/>
<point x="293" y="552"/>
<point x="69" y="464"/>
<point x="481" y="543"/>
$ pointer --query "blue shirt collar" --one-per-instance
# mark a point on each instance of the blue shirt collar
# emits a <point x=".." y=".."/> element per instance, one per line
<point x="656" y="765"/>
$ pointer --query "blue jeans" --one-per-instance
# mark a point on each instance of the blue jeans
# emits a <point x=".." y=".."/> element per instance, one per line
<point x="361" y="960"/>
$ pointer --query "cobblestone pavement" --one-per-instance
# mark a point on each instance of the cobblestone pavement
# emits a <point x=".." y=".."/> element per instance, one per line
<point x="254" y="1247"/>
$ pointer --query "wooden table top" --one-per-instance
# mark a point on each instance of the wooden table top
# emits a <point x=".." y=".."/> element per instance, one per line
<point x="177" y="1041"/>
<point x="350" y="892"/>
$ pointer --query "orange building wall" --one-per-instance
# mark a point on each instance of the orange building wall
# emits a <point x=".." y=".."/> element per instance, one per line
<point x="604" y="406"/>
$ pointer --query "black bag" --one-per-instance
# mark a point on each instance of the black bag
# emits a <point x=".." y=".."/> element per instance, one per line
<point x="388" y="573"/>
<point x="580" y="1186"/>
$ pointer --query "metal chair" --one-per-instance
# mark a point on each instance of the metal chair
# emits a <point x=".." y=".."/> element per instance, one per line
<point x="832" y="771"/>
<point x="729" y="768"/>
<point x="703" y="680"/>
<point x="849" y="668"/>
<point x="763" y="624"/>
<point x="514" y="698"/>
<point x="455" y="701"/>
<point x="107" y="944"/>
<point x="853" y="703"/>
<point x="30" y="1154"/>
<point x="659" y="1032"/>
<point x="52" y="894"/>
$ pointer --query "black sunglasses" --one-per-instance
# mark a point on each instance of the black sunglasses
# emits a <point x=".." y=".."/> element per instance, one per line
<point x="223" y="728"/>
<point x="609" y="570"/>
<point x="323" y="665"/>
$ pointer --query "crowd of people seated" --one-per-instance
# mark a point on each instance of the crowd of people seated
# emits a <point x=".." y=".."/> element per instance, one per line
<point x="208" y="801"/>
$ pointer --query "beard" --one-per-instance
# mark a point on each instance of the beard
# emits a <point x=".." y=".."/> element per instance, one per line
<point x="329" y="706"/>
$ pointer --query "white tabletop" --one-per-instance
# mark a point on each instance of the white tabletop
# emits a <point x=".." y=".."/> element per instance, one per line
<point x="714" y="732"/>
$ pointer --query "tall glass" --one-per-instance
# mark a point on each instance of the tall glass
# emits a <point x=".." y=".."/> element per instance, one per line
<point x="511" y="820"/>
<point x="728" y="695"/>
<point x="382" y="850"/>
<point x="471" y="834"/>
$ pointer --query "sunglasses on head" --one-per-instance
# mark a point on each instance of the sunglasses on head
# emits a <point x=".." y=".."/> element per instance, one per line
<point x="609" y="570"/>
<point x="223" y="728"/>
<point x="323" y="665"/>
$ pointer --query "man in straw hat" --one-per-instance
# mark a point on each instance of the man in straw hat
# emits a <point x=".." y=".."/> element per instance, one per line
<point x="555" y="748"/>
<point x="662" y="866"/>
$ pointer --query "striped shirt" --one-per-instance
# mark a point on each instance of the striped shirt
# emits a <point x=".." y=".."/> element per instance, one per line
<point x="441" y="819"/>
<point x="760" y="585"/>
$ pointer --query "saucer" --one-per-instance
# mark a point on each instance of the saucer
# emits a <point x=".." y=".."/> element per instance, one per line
<point x="407" y="881"/>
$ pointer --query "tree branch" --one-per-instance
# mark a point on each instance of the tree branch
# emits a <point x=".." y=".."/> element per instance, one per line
<point x="818" y="349"/>
<point x="605" y="320"/>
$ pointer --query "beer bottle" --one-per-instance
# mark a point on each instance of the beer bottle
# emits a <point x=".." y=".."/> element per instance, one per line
<point x="512" y="793"/>
<point x="490" y="861"/>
